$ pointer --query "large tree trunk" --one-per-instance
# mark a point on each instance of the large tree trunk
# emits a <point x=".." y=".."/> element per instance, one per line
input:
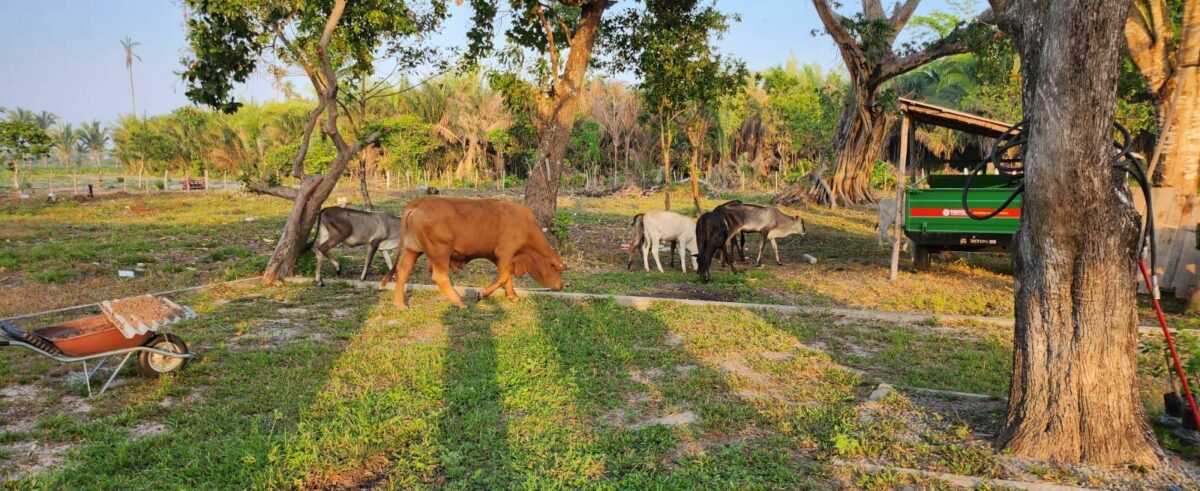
<point x="857" y="144"/>
<point x="1074" y="394"/>
<point x="541" y="192"/>
<point x="557" y="113"/>
<point x="1172" y="76"/>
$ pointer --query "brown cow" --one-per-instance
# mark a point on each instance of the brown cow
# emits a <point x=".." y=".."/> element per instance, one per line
<point x="453" y="231"/>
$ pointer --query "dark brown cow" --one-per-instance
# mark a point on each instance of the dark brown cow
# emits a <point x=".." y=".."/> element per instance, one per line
<point x="454" y="231"/>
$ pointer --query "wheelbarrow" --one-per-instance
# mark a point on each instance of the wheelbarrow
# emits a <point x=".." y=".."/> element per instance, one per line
<point x="124" y="328"/>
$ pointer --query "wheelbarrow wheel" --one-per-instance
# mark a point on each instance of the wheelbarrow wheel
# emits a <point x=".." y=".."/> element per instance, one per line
<point x="152" y="365"/>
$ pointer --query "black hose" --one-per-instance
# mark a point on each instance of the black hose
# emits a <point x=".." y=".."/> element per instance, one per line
<point x="1124" y="161"/>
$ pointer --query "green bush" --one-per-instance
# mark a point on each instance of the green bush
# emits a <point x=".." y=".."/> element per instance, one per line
<point x="883" y="175"/>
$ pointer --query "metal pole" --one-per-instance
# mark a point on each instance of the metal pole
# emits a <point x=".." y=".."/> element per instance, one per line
<point x="901" y="171"/>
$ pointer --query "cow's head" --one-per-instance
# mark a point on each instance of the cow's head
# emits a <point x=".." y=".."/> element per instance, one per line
<point x="545" y="268"/>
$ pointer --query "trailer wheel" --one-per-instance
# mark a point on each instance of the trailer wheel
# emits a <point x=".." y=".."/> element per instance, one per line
<point x="921" y="257"/>
<point x="152" y="365"/>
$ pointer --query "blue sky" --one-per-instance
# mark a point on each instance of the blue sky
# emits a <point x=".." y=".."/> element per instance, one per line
<point x="65" y="56"/>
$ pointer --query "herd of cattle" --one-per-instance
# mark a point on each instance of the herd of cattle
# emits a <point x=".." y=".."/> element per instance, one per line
<point x="454" y="231"/>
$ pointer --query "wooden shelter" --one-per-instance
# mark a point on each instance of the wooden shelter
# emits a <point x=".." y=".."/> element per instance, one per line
<point x="922" y="112"/>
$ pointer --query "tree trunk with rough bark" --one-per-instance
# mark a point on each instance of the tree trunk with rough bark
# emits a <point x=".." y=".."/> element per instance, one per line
<point x="860" y="136"/>
<point x="558" y="110"/>
<point x="541" y="192"/>
<point x="1170" y="64"/>
<point x="1074" y="394"/>
<point x="858" y="143"/>
<point x="362" y="179"/>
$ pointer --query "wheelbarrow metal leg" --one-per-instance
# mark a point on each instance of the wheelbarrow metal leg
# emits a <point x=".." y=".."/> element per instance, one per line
<point x="115" y="371"/>
<point x="87" y="378"/>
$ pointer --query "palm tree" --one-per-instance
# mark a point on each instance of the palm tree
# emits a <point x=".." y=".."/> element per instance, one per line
<point x="129" y="44"/>
<point x="93" y="138"/>
<point x="21" y="115"/>
<point x="65" y="140"/>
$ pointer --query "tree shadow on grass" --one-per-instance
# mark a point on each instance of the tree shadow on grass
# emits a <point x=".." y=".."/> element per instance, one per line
<point x="663" y="407"/>
<point x="472" y="424"/>
<point x="224" y="419"/>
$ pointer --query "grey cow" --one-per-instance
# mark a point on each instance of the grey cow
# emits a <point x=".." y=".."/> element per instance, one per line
<point x="766" y="220"/>
<point x="375" y="229"/>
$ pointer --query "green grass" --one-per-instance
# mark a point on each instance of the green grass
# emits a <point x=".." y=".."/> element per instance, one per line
<point x="537" y="393"/>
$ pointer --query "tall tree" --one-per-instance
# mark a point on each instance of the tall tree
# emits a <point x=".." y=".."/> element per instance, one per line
<point x="93" y="138"/>
<point x="1074" y="394"/>
<point x="21" y="140"/>
<point x="231" y="37"/>
<point x="865" y="42"/>
<point x="549" y="29"/>
<point x="128" y="44"/>
<point x="671" y="48"/>
<point x="1163" y="37"/>
<point x="64" y="144"/>
<point x="615" y="108"/>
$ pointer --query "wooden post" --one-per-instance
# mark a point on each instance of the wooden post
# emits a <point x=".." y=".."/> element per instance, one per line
<point x="166" y="180"/>
<point x="206" y="180"/>
<point x="387" y="176"/>
<point x="74" y="184"/>
<point x="901" y="171"/>
<point x="187" y="177"/>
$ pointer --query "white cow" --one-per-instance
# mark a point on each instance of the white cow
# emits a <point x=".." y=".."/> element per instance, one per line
<point x="665" y="225"/>
<point x="887" y="220"/>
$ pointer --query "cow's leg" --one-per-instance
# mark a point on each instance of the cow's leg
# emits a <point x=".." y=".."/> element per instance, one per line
<point x="371" y="248"/>
<point x="775" y="247"/>
<point x="741" y="245"/>
<point x="671" y="258"/>
<point x="387" y="258"/>
<point x="503" y="277"/>
<point x="509" y="291"/>
<point x="682" y="257"/>
<point x="317" y="278"/>
<point x="657" y="262"/>
<point x="404" y="266"/>
<point x="440" y="264"/>
<point x="646" y="255"/>
<point x="762" y="244"/>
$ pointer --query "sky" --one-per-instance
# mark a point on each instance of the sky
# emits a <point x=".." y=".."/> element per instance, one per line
<point x="65" y="56"/>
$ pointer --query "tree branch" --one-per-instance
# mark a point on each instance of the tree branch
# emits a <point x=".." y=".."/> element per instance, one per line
<point x="261" y="187"/>
<point x="298" y="162"/>
<point x="894" y="66"/>
<point x="873" y="9"/>
<point x="541" y="13"/>
<point x="852" y="55"/>
<point x="901" y="14"/>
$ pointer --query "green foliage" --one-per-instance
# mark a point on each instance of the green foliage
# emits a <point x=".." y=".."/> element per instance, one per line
<point x="585" y="144"/>
<point x="807" y="103"/>
<point x="406" y="142"/>
<point x="279" y="160"/>
<point x="883" y="175"/>
<point x="560" y="225"/>
<point x="230" y="38"/>
<point x="20" y="140"/>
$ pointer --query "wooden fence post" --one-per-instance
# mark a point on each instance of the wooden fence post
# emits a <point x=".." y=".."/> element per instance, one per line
<point x="166" y="180"/>
<point x="901" y="172"/>
<point x="206" y="180"/>
<point x="74" y="184"/>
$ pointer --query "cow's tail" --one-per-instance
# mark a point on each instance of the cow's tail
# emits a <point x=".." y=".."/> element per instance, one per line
<point x="387" y="278"/>
<point x="639" y="230"/>
<point x="316" y="233"/>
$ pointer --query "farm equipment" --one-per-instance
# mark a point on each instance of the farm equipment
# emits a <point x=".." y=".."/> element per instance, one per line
<point x="124" y="327"/>
<point x="935" y="220"/>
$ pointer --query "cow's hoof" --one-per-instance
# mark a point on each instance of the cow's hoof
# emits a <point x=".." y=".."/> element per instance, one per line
<point x="512" y="298"/>
<point x="319" y="283"/>
<point x="460" y="305"/>
<point x="401" y="307"/>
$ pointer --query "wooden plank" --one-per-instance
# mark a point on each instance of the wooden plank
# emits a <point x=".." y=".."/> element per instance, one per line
<point x="1186" y="267"/>
<point x="1168" y="235"/>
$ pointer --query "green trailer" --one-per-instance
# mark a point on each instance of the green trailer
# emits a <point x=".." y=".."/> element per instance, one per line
<point x="935" y="221"/>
